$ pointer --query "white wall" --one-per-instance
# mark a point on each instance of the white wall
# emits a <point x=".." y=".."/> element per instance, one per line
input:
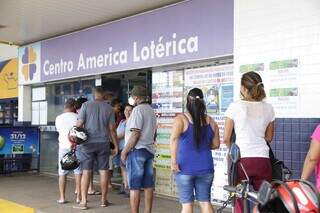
<point x="271" y="30"/>
<point x="8" y="52"/>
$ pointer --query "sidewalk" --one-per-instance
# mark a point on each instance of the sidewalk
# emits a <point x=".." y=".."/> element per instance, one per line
<point x="41" y="192"/>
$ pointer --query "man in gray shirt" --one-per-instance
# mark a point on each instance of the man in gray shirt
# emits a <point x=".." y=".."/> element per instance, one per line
<point x="98" y="118"/>
<point x="139" y="149"/>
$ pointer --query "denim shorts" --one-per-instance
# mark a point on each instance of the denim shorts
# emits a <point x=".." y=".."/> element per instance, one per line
<point x="140" y="169"/>
<point x="191" y="187"/>
<point x="61" y="172"/>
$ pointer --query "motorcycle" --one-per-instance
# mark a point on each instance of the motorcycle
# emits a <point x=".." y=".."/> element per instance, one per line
<point x="294" y="196"/>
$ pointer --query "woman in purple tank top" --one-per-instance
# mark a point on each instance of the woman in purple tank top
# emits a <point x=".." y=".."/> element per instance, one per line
<point x="193" y="136"/>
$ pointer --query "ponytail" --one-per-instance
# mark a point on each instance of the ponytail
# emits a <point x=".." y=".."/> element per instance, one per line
<point x="197" y="109"/>
<point x="252" y="81"/>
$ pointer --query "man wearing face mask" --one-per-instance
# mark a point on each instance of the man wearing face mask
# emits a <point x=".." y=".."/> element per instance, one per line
<point x="139" y="150"/>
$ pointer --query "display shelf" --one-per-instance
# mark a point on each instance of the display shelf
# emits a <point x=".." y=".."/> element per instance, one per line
<point x="8" y="112"/>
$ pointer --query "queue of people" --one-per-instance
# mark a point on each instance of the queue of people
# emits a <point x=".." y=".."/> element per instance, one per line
<point x="114" y="138"/>
<point x="193" y="136"/>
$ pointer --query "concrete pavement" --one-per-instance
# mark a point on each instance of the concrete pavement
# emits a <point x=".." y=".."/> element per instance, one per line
<point x="41" y="192"/>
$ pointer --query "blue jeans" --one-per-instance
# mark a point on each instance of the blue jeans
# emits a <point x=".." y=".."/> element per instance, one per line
<point x="140" y="169"/>
<point x="191" y="187"/>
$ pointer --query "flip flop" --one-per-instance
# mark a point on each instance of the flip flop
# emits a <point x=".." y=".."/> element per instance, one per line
<point x="105" y="204"/>
<point x="94" y="193"/>
<point x="81" y="206"/>
<point x="61" y="201"/>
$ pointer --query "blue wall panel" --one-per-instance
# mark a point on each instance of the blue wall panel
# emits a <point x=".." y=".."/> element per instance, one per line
<point x="291" y="141"/>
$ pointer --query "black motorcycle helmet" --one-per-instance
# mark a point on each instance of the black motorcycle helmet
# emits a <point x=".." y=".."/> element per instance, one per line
<point x="70" y="161"/>
<point x="78" y="135"/>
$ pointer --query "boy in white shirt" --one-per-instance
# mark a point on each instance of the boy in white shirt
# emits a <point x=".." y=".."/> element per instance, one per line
<point x="64" y="123"/>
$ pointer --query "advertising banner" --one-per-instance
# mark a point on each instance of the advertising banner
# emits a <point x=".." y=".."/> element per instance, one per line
<point x="164" y="36"/>
<point x="9" y="79"/>
<point x="29" y="64"/>
<point x="169" y="90"/>
<point x="167" y="101"/>
<point x="216" y="82"/>
<point x="17" y="140"/>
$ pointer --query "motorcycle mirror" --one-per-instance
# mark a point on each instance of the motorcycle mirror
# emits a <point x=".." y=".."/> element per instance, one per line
<point x="264" y="193"/>
<point x="234" y="153"/>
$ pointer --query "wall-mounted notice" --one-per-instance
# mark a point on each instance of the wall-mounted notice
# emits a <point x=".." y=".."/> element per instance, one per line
<point x="284" y="87"/>
<point x="282" y="81"/>
<point x="216" y="82"/>
<point x="167" y="101"/>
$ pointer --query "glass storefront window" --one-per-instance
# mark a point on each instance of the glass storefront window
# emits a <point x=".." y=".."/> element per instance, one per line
<point x="57" y="94"/>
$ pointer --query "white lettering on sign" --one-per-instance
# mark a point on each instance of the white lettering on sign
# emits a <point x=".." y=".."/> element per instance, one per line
<point x="18" y="136"/>
<point x="159" y="48"/>
<point x="57" y="68"/>
<point x="156" y="49"/>
<point x="109" y="59"/>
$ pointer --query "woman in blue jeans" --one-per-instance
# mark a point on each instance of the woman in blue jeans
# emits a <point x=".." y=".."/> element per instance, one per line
<point x="194" y="135"/>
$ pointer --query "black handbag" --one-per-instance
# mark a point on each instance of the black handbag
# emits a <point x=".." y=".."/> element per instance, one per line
<point x="279" y="170"/>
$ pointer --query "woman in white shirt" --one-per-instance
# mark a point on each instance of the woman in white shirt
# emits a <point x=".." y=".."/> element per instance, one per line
<point x="252" y="119"/>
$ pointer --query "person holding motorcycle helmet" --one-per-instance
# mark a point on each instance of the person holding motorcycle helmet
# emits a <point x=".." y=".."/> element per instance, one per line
<point x="252" y="120"/>
<point x="312" y="161"/>
<point x="64" y="123"/>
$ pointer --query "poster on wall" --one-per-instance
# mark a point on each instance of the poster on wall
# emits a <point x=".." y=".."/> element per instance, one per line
<point x="19" y="140"/>
<point x="167" y="101"/>
<point x="216" y="82"/>
<point x="9" y="79"/>
<point x="169" y="90"/>
<point x="282" y="85"/>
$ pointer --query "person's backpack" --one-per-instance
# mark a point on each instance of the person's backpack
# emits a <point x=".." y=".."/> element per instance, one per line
<point x="279" y="170"/>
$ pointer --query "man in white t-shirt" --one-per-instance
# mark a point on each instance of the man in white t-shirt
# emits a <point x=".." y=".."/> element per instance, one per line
<point x="64" y="123"/>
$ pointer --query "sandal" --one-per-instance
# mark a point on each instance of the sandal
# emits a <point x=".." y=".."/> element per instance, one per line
<point x="105" y="204"/>
<point x="94" y="193"/>
<point x="81" y="206"/>
<point x="61" y="201"/>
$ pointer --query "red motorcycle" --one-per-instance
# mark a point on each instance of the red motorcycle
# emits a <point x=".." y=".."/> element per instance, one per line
<point x="294" y="196"/>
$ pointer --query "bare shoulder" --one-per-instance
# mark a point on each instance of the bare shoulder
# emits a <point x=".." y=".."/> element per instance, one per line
<point x="179" y="118"/>
<point x="209" y="119"/>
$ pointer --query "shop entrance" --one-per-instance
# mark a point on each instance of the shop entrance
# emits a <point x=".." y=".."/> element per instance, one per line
<point x="120" y="84"/>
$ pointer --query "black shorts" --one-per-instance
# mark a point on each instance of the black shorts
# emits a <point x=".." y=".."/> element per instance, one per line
<point x="92" y="152"/>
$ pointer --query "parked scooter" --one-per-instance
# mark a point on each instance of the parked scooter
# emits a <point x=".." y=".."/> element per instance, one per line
<point x="294" y="196"/>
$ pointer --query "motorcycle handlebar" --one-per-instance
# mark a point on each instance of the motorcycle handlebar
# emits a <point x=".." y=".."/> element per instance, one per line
<point x="239" y="190"/>
<point x="230" y="188"/>
<point x="254" y="195"/>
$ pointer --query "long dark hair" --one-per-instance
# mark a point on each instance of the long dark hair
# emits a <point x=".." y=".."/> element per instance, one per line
<point x="197" y="109"/>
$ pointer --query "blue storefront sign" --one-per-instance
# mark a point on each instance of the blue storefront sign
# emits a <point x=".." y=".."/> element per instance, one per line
<point x="19" y="140"/>
<point x="188" y="31"/>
